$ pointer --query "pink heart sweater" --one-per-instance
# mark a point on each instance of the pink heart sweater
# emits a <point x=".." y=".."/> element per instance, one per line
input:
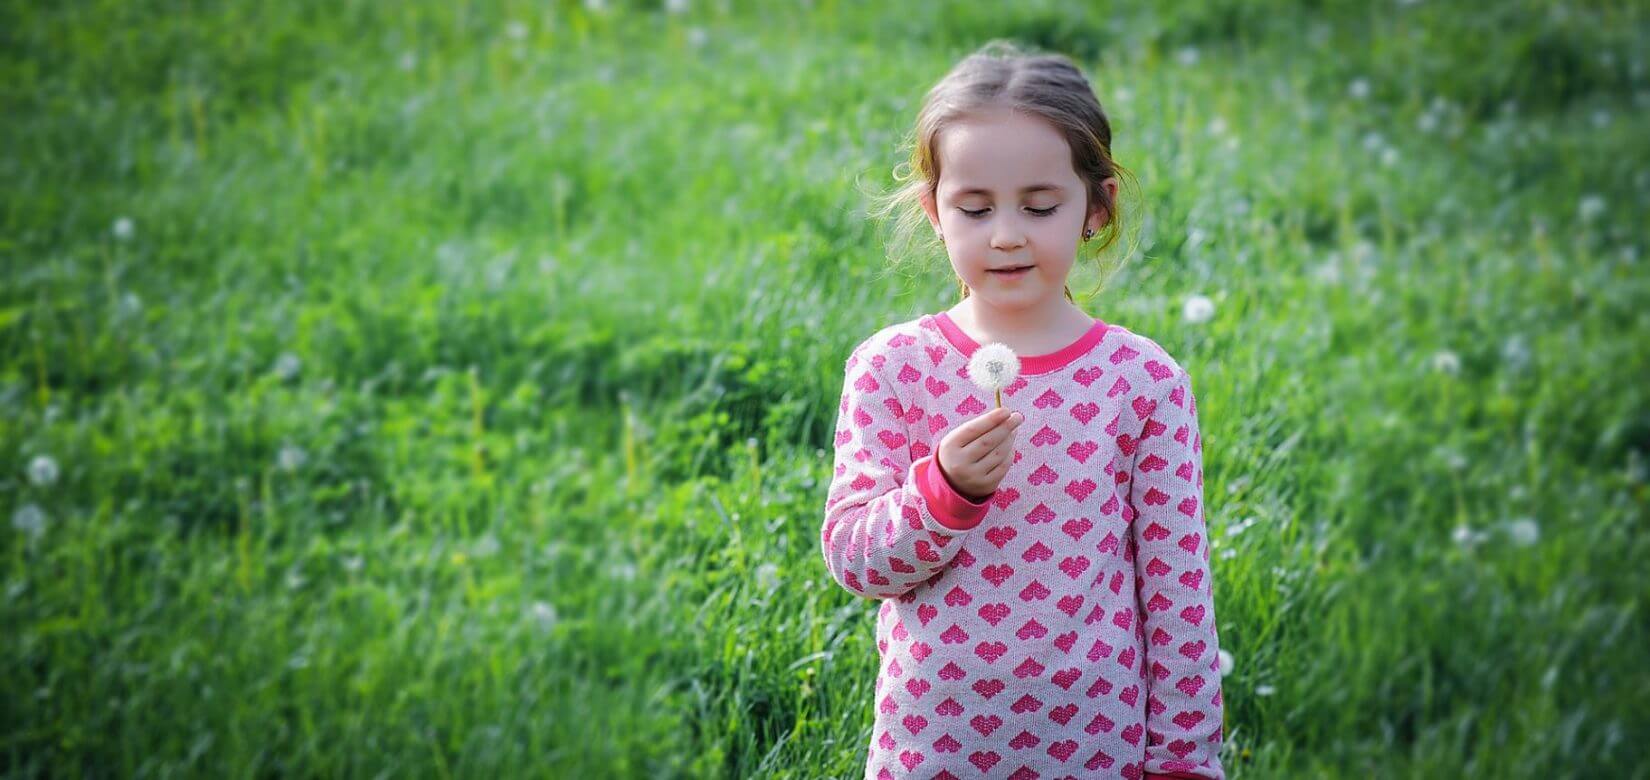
<point x="1063" y="627"/>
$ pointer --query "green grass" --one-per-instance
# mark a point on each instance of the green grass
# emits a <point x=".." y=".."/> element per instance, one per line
<point x="465" y="365"/>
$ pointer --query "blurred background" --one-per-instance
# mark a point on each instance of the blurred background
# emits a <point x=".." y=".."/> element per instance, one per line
<point x="447" y="388"/>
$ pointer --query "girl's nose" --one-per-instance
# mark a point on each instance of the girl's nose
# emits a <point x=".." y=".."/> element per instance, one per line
<point x="1007" y="236"/>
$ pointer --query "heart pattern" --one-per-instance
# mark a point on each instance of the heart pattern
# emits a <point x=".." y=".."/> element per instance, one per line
<point x="1062" y="626"/>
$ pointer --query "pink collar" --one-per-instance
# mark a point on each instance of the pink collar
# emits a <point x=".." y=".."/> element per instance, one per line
<point x="1029" y="364"/>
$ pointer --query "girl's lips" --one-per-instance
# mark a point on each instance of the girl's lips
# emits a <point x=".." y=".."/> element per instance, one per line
<point x="1011" y="274"/>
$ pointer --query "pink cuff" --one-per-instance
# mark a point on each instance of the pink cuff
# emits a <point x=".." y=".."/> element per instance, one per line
<point x="948" y="506"/>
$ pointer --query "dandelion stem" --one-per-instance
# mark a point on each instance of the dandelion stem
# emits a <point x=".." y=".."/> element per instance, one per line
<point x="999" y="398"/>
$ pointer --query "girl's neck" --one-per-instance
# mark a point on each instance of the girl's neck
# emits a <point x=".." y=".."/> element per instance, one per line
<point x="1028" y="332"/>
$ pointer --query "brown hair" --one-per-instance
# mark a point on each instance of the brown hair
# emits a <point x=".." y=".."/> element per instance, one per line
<point x="1000" y="74"/>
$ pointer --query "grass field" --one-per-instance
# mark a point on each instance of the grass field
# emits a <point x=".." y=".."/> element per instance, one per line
<point x="446" y="389"/>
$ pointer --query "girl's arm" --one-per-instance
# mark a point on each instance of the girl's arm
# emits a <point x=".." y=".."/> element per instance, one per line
<point x="1184" y="707"/>
<point x="890" y="522"/>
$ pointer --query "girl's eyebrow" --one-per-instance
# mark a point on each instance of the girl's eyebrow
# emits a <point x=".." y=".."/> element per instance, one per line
<point x="1032" y="188"/>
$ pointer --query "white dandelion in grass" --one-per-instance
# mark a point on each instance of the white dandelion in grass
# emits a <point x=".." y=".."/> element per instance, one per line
<point x="1265" y="690"/>
<point x="42" y="470"/>
<point x="1591" y="208"/>
<point x="767" y="576"/>
<point x="287" y="366"/>
<point x="1523" y="531"/>
<point x="1447" y="362"/>
<point x="291" y="457"/>
<point x="123" y="228"/>
<point x="29" y="519"/>
<point x="1225" y="663"/>
<point x="994" y="367"/>
<point x="1198" y="309"/>
<point x="544" y="614"/>
<point x="1466" y="537"/>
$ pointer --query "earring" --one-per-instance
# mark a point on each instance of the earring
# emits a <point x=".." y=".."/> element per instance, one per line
<point x="1088" y="233"/>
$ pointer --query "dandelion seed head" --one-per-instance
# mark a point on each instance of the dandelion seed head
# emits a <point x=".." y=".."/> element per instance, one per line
<point x="1447" y="362"/>
<point x="1265" y="690"/>
<point x="29" y="519"/>
<point x="767" y="576"/>
<point x="287" y="366"/>
<point x="1358" y="89"/>
<point x="1524" y="531"/>
<point x="994" y="366"/>
<point x="291" y="457"/>
<point x="1198" y="309"/>
<point x="1590" y="208"/>
<point x="42" y="470"/>
<point x="123" y="228"/>
<point x="1225" y="663"/>
<point x="544" y="614"/>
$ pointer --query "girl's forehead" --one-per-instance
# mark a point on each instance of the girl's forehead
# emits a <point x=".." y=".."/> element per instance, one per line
<point x="1004" y="154"/>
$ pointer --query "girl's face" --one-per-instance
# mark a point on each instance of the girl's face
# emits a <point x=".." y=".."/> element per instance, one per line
<point x="1008" y="196"/>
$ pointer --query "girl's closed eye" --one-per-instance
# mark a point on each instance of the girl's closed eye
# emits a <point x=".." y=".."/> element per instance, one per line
<point x="1039" y="212"/>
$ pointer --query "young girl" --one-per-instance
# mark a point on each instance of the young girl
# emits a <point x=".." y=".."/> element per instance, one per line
<point x="1043" y="568"/>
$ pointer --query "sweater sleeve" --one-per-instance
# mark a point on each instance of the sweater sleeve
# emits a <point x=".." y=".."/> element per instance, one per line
<point x="890" y="522"/>
<point x="1184" y="708"/>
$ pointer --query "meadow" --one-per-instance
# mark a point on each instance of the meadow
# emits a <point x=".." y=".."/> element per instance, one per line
<point x="447" y="389"/>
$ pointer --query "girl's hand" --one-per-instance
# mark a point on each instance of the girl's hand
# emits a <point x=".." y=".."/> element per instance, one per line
<point x="974" y="456"/>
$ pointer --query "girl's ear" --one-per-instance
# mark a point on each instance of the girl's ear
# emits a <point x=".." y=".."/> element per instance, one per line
<point x="1098" y="216"/>
<point x="932" y="209"/>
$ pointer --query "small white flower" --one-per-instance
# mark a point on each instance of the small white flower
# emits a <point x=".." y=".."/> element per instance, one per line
<point x="1358" y="89"/>
<point x="291" y="457"/>
<point x="696" y="36"/>
<point x="994" y="367"/>
<point x="1198" y="309"/>
<point x="486" y="546"/>
<point x="1389" y="157"/>
<point x="287" y="366"/>
<point x="408" y="61"/>
<point x="1524" y="531"/>
<point x="767" y="576"/>
<point x="544" y="614"/>
<point x="1225" y="663"/>
<point x="1195" y="238"/>
<point x="29" y="519"/>
<point x="1446" y="361"/>
<point x="516" y="30"/>
<point x="1427" y="122"/>
<point x="1601" y="118"/>
<point x="130" y="305"/>
<point x="353" y="563"/>
<point x="1466" y="537"/>
<point x="1265" y="690"/>
<point x="123" y="228"/>
<point x="676" y="6"/>
<point x="1329" y="272"/>
<point x="1591" y="208"/>
<point x="1515" y="351"/>
<point x="596" y="5"/>
<point x="1187" y="55"/>
<point x="1217" y="126"/>
<point x="42" y="470"/>
<point x="1373" y="141"/>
